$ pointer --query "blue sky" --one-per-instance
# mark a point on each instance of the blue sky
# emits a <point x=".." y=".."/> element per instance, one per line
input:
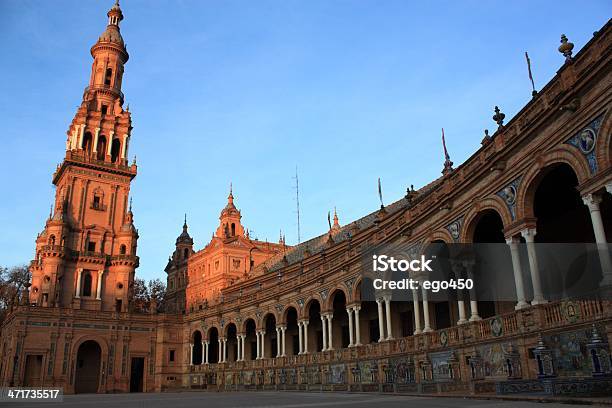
<point x="245" y="91"/>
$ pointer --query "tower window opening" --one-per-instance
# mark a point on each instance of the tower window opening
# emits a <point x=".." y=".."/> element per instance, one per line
<point x="233" y="229"/>
<point x="87" y="281"/>
<point x="118" y="305"/>
<point x="87" y="141"/>
<point x="91" y="247"/>
<point x="186" y="253"/>
<point x="52" y="240"/>
<point x="101" y="148"/>
<point x="122" y="249"/>
<point x="96" y="202"/>
<point x="107" y="77"/>
<point x="104" y="109"/>
<point x="115" y="150"/>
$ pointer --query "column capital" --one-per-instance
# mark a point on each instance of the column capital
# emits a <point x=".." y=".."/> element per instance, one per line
<point x="357" y="308"/>
<point x="281" y="326"/>
<point x="512" y="240"/>
<point x="529" y="234"/>
<point x="609" y="187"/>
<point x="592" y="201"/>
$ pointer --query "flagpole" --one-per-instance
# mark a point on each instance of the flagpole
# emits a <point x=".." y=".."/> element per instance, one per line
<point x="533" y="90"/>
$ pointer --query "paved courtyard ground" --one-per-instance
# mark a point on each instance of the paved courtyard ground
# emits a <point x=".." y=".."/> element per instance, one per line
<point x="272" y="399"/>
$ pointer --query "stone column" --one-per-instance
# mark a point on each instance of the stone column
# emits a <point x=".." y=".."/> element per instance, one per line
<point x="124" y="146"/>
<point x="474" y="316"/>
<point x="518" y="273"/>
<point x="220" y="353"/>
<point x="95" y="141"/>
<point x="190" y="353"/>
<point x="330" y="331"/>
<point x="417" y="311"/>
<point x="357" y="327"/>
<point x="78" y="285"/>
<point x="529" y="235"/>
<point x="388" y="315"/>
<point x="381" y="323"/>
<point x="257" y="335"/>
<point x="284" y="338"/>
<point x="461" y="308"/>
<point x="324" y="326"/>
<point x="263" y="344"/>
<point x="300" y="336"/>
<point x="224" y="350"/>
<point x="207" y="344"/>
<point x="81" y="136"/>
<point x="593" y="201"/>
<point x="305" y="330"/>
<point x="427" y="327"/>
<point x="99" y="289"/>
<point x="349" y="311"/>
<point x="278" y="342"/>
<point x="110" y="143"/>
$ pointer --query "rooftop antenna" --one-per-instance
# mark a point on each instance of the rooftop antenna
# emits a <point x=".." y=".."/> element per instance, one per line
<point x="297" y="202"/>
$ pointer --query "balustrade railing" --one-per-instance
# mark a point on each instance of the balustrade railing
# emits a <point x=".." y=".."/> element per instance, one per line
<point x="553" y="314"/>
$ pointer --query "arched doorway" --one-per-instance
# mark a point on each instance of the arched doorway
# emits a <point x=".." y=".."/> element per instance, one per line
<point x="270" y="339"/>
<point x="563" y="218"/>
<point x="87" y="375"/>
<point x="292" y="347"/>
<point x="340" y="329"/>
<point x="489" y="229"/>
<point x="250" y="340"/>
<point x="196" y="357"/>
<point x="213" y="345"/>
<point x="315" y="328"/>
<point x="442" y="305"/>
<point x="232" y="342"/>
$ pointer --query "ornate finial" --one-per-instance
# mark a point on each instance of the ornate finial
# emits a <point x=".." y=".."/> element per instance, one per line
<point x="185" y="222"/>
<point x="127" y="108"/>
<point x="448" y="164"/>
<point x="130" y="204"/>
<point x="566" y="48"/>
<point x="230" y="197"/>
<point x="499" y="117"/>
<point x="134" y="161"/>
<point x="486" y="139"/>
<point x="51" y="212"/>
<point x="336" y="223"/>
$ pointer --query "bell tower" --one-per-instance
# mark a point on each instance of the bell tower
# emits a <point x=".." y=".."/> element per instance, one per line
<point x="86" y="254"/>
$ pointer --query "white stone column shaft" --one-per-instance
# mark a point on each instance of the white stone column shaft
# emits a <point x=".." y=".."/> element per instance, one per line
<point x="324" y="326"/>
<point x="190" y="353"/>
<point x="99" y="288"/>
<point x="381" y="322"/>
<point x="427" y="327"/>
<point x="357" y="326"/>
<point x="78" y="285"/>
<point x="300" y="336"/>
<point x="388" y="316"/>
<point x="305" y="330"/>
<point x="330" y="331"/>
<point x="416" y="305"/>
<point x="349" y="311"/>
<point x="593" y="201"/>
<point x="518" y="273"/>
<point x="529" y="235"/>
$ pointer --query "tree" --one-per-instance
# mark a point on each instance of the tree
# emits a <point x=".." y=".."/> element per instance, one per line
<point x="157" y="293"/>
<point x="146" y="294"/>
<point x="13" y="281"/>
